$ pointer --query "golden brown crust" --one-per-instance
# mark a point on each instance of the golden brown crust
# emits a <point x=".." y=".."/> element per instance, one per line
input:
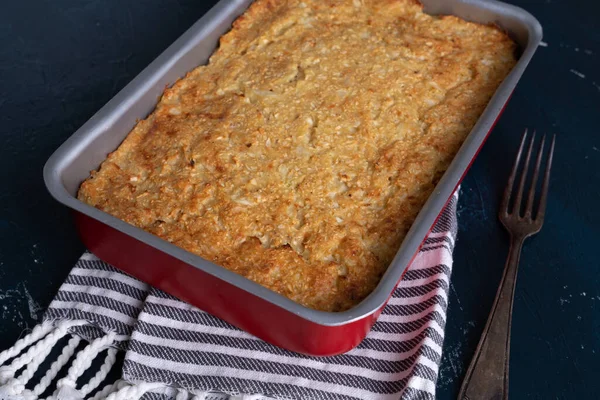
<point x="301" y="154"/>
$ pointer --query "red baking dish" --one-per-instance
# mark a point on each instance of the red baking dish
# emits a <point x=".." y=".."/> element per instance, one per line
<point x="217" y="290"/>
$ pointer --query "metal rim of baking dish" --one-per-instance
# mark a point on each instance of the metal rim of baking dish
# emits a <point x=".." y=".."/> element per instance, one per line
<point x="127" y="97"/>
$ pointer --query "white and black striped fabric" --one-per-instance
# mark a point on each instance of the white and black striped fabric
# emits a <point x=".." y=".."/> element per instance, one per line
<point x="101" y="294"/>
<point x="171" y="342"/>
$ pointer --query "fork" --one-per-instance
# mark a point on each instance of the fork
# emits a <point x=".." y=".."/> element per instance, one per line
<point x="487" y="376"/>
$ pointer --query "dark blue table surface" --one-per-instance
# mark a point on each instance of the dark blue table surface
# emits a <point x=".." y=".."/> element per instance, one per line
<point x="60" y="61"/>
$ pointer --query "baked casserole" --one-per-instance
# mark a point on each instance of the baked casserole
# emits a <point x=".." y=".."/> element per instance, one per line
<point x="300" y="155"/>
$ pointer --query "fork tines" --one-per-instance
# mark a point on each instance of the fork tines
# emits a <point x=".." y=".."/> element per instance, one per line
<point x="516" y="210"/>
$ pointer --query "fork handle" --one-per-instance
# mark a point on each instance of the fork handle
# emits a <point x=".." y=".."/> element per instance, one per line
<point x="487" y="376"/>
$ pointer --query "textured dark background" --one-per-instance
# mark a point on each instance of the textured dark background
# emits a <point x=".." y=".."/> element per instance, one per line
<point x="61" y="60"/>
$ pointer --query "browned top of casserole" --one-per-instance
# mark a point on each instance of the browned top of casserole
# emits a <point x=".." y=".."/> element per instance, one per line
<point x="301" y="154"/>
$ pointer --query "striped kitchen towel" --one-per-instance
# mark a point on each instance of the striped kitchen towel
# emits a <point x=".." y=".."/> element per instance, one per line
<point x="176" y="351"/>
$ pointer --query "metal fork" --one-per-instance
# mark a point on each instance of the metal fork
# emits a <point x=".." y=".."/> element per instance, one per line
<point x="487" y="376"/>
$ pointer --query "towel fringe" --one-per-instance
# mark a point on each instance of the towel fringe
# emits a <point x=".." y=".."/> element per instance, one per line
<point x="33" y="349"/>
<point x="66" y="387"/>
<point x="135" y="391"/>
<point x="57" y="365"/>
<point x="108" y="389"/>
